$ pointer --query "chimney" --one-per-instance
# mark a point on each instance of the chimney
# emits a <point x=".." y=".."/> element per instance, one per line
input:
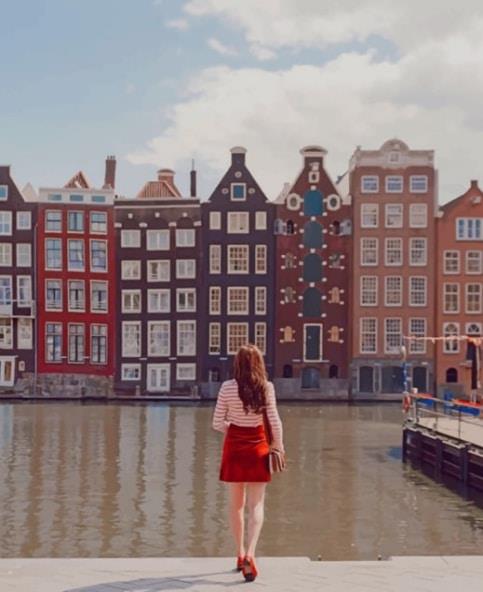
<point x="110" y="175"/>
<point x="166" y="175"/>
<point x="474" y="184"/>
<point x="238" y="155"/>
<point x="193" y="180"/>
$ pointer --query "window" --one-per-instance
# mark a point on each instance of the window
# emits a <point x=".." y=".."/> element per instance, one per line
<point x="237" y="301"/>
<point x="394" y="216"/>
<point x="131" y="301"/>
<point x="473" y="329"/>
<point x="6" y="337"/>
<point x="238" y="259"/>
<point x="451" y="263"/>
<point x="451" y="298"/>
<point x="473" y="262"/>
<point x="158" y="377"/>
<point x="76" y="295"/>
<point x="185" y="268"/>
<point x="215" y="258"/>
<point x="238" y="191"/>
<point x="369" y="184"/>
<point x="237" y="335"/>
<point x="260" y="300"/>
<point x="24" y="334"/>
<point x="99" y="296"/>
<point x="131" y="372"/>
<point x="238" y="223"/>
<point x="468" y="229"/>
<point x="24" y="221"/>
<point x="394" y="184"/>
<point x="75" y="260"/>
<point x="418" y="215"/>
<point x="75" y="221"/>
<point x="261" y="336"/>
<point x="5" y="290"/>
<point x="417" y="291"/>
<point x="99" y="222"/>
<point x="417" y="251"/>
<point x="369" y="215"/>
<point x="53" y="342"/>
<point x="157" y="240"/>
<point x="214" y="338"/>
<point x="3" y="192"/>
<point x="99" y="344"/>
<point x="186" y="300"/>
<point x="260" y="259"/>
<point x="185" y="371"/>
<point x="393" y="251"/>
<point x="392" y="336"/>
<point x="185" y="237"/>
<point x="131" y="339"/>
<point x="186" y="338"/>
<point x="76" y="343"/>
<point x="368" y="333"/>
<point x="131" y="270"/>
<point x="260" y="220"/>
<point x="53" y="253"/>
<point x="215" y="220"/>
<point x="418" y="183"/>
<point x="5" y="223"/>
<point x="451" y="330"/>
<point x="24" y="291"/>
<point x="159" y="338"/>
<point x="5" y="255"/>
<point x="53" y="221"/>
<point x="130" y="238"/>
<point x="369" y="247"/>
<point x="473" y="298"/>
<point x="393" y="291"/>
<point x="98" y="255"/>
<point x="53" y="295"/>
<point x="215" y="300"/>
<point x="158" y="271"/>
<point x="159" y="300"/>
<point x="368" y="286"/>
<point x="417" y="328"/>
<point x="290" y="261"/>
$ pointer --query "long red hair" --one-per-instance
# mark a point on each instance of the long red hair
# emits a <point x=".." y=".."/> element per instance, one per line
<point x="251" y="376"/>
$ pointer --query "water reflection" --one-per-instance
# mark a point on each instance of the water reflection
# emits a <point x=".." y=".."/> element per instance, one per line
<point x="92" y="480"/>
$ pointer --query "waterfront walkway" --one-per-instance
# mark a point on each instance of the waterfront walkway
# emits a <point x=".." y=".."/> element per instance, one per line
<point x="280" y="574"/>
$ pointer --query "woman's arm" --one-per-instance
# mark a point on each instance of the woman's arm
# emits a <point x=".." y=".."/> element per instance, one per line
<point x="274" y="418"/>
<point x="221" y="409"/>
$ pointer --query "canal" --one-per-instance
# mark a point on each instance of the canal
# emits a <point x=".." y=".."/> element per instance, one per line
<point x="87" y="480"/>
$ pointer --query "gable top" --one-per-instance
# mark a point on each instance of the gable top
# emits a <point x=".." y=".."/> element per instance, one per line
<point x="394" y="153"/>
<point x="163" y="187"/>
<point x="78" y="181"/>
<point x="473" y="196"/>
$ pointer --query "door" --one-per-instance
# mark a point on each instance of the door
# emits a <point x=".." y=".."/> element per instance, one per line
<point x="366" y="379"/>
<point x="158" y="378"/>
<point x="420" y="378"/>
<point x="7" y="371"/>
<point x="312" y="343"/>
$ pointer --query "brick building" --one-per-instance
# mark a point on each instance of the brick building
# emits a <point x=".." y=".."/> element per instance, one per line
<point x="313" y="232"/>
<point x="159" y="280"/>
<point x="459" y="299"/>
<point x="393" y="193"/>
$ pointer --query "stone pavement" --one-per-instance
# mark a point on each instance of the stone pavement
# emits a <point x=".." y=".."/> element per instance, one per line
<point x="280" y="574"/>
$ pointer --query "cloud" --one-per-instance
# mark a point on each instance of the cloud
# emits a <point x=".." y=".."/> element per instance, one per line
<point x="221" y="48"/>
<point x="179" y="24"/>
<point x="262" y="53"/>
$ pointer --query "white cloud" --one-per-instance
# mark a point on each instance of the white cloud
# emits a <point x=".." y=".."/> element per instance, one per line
<point x="262" y="53"/>
<point x="179" y="24"/>
<point x="221" y="48"/>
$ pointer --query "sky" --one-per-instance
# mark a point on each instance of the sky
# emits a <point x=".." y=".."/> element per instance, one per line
<point x="160" y="82"/>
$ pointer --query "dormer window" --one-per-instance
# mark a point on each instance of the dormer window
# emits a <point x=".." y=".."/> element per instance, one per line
<point x="238" y="191"/>
<point x="3" y="192"/>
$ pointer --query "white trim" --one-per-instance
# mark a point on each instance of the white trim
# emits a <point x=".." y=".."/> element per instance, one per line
<point x="190" y="232"/>
<point x="23" y="213"/>
<point x="214" y="252"/>
<point x="261" y="325"/>
<point x="264" y="259"/>
<point x="4" y="187"/>
<point x="410" y="287"/>
<point x="158" y="236"/>
<point x="396" y="350"/>
<point x="210" y="300"/>
<point x="165" y="324"/>
<point x="130" y="232"/>
<point x="131" y="294"/>
<point x="238" y="222"/>
<point x="246" y="248"/>
<point x="185" y="262"/>
<point x="229" y="326"/>
<point x="401" y="261"/>
<point x="180" y="291"/>
<point x="422" y="343"/>
<point x="369" y="238"/>
<point x="160" y="292"/>
<point x="361" y="334"/>
<point x="46" y="258"/>
<point x="365" y="178"/>
<point x="186" y="366"/>
<point x="130" y="367"/>
<point x="260" y="220"/>
<point x="230" y="290"/>
<point x="162" y="264"/>
<point x="82" y="242"/>
<point x="139" y="349"/>
<point x="456" y="342"/>
<point x="214" y="222"/>
<point x="401" y="290"/>
<point x="412" y="190"/>
<point x="361" y="290"/>
<point x="236" y="199"/>
<point x="261" y="290"/>
<point x="400" y="215"/>
<point x="8" y="254"/>
<point x="178" y="340"/>
<point x="321" y="342"/>
<point x="11" y="361"/>
<point x="369" y="206"/>
<point x="159" y="387"/>
<point x="84" y="348"/>
<point x="480" y="294"/>
<point x="479" y="270"/>
<point x="210" y="337"/>
<point x="412" y="215"/>
<point x="138" y="268"/>
<point x="388" y="179"/>
<point x="69" y="282"/>
<point x="46" y="215"/>
<point x="19" y="302"/>
<point x="91" y="291"/>
<point x="424" y="262"/>
<point x="91" y="267"/>
<point x="98" y="232"/>
<point x="466" y="220"/>
<point x="458" y="298"/>
<point x="59" y="281"/>
<point x="458" y="260"/>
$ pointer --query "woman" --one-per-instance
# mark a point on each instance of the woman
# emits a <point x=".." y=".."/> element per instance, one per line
<point x="244" y="465"/>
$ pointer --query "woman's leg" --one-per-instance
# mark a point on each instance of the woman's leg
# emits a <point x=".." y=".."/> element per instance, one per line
<point x="255" y="502"/>
<point x="237" y="506"/>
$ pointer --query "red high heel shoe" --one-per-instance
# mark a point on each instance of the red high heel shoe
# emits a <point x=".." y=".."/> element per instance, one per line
<point x="249" y="569"/>
<point x="239" y="563"/>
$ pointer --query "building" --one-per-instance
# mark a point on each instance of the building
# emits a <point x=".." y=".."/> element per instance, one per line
<point x="17" y="298"/>
<point x="313" y="232"/>
<point x="459" y="305"/>
<point x="158" y="246"/>
<point x="76" y="287"/>
<point x="238" y="272"/>
<point x="393" y="193"/>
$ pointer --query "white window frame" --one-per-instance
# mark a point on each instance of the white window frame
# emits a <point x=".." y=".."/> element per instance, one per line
<point x="137" y="269"/>
<point x="260" y="294"/>
<point x="457" y="259"/>
<point x="46" y="215"/>
<point x="61" y="259"/>
<point x="480" y="298"/>
<point x="215" y="257"/>
<point x="229" y="304"/>
<point x="192" y="352"/>
<point x="4" y="191"/>
<point x="69" y="306"/>
<point x="23" y="343"/>
<point x="158" y="239"/>
<point x="446" y="344"/>
<point x="158" y="388"/>
<point x="369" y="210"/>
<point x="28" y="217"/>
<point x="215" y="310"/>
<point x="106" y="289"/>
<point x="386" y="250"/>
<point x="6" y="249"/>
<point x="191" y="366"/>
<point x="24" y="303"/>
<point x="230" y="326"/>
<point x="76" y="231"/>
<point x="412" y="182"/>
<point x="188" y="291"/>
<point x="246" y="258"/>
<point x="99" y="333"/>
<point x="215" y="221"/>
<point x="417" y="346"/>
<point x="232" y="186"/>
<point x="465" y="235"/>
<point x="368" y="179"/>
<point x="91" y="265"/>
<point x="260" y="220"/>
<point x="395" y="349"/>
<point x="131" y="294"/>
<point x="91" y="223"/>
<point x="82" y="242"/>
<point x="399" y="291"/>
<point x="6" y="222"/>
<point x="134" y="240"/>
<point x="214" y="339"/>
<point x="261" y="338"/>
<point x="418" y="219"/>
<point x="137" y="353"/>
<point x="162" y="264"/>
<point x="479" y="254"/>
<point x="264" y="268"/>
<point x="136" y="367"/>
<point x="390" y="179"/>
<point x="166" y="352"/>
<point x="185" y="237"/>
<point x="159" y="292"/>
<point x="363" y="290"/>
<point x="59" y="282"/>
<point x="362" y="333"/>
<point x="400" y="214"/>
<point x="186" y="273"/>
<point x="238" y="222"/>
<point x="365" y="249"/>
<point x="446" y="285"/>
<point x="82" y="334"/>
<point x="413" y="262"/>
<point x="411" y="291"/>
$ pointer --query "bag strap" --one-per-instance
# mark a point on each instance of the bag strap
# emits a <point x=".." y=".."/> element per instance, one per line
<point x="268" y="427"/>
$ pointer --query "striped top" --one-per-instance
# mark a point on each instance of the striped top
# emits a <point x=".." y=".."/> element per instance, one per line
<point x="229" y="409"/>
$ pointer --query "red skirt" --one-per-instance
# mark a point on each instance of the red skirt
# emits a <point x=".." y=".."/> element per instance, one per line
<point x="245" y="455"/>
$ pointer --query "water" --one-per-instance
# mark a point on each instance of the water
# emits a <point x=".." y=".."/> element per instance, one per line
<point x="120" y="480"/>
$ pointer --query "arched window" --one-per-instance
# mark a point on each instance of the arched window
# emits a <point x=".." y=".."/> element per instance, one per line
<point x="312" y="303"/>
<point x="312" y="268"/>
<point x="313" y="203"/>
<point x="279" y="226"/>
<point x="288" y="334"/>
<point x="451" y="345"/>
<point x="290" y="227"/>
<point x="333" y="371"/>
<point x="287" y="371"/>
<point x="366" y="379"/>
<point x="451" y="375"/>
<point x="335" y="227"/>
<point x="310" y="378"/>
<point x="313" y="235"/>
